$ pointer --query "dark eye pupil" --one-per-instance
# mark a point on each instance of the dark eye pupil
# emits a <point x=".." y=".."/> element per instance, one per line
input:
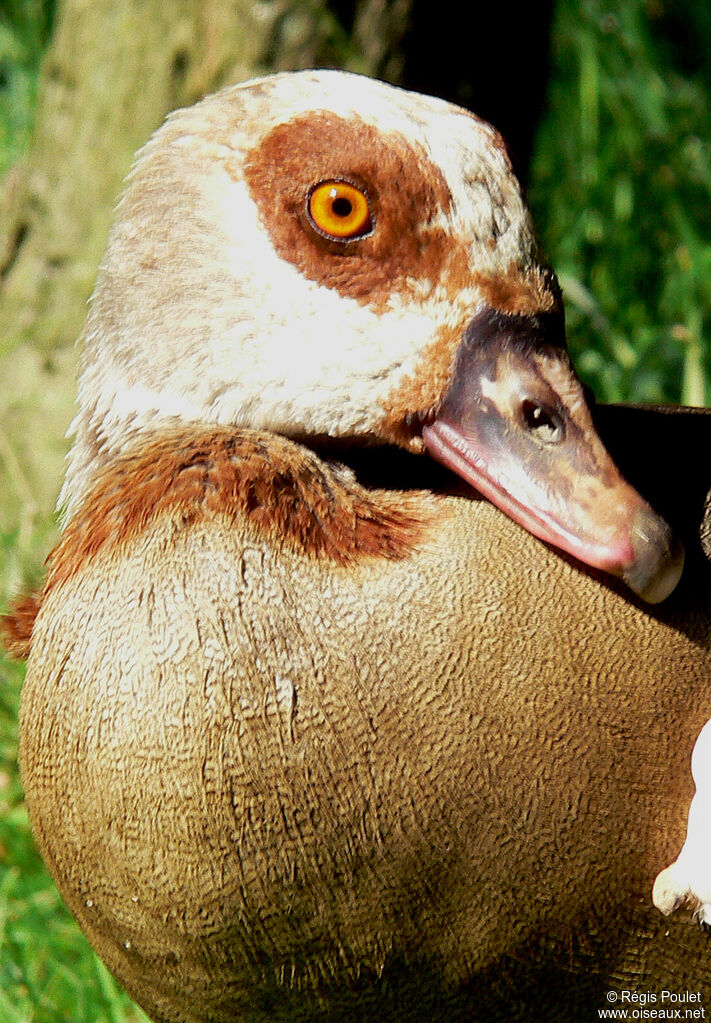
<point x="342" y="207"/>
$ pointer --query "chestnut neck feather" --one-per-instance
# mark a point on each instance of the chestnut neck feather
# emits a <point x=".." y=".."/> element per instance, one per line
<point x="281" y="487"/>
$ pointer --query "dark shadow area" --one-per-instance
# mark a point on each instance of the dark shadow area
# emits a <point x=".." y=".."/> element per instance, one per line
<point x="657" y="450"/>
<point x="492" y="59"/>
<point x="510" y="992"/>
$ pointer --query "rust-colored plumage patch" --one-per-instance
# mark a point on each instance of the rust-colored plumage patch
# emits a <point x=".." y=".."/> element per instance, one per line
<point x="16" y="625"/>
<point x="406" y="192"/>
<point x="519" y="292"/>
<point x="418" y="396"/>
<point x="282" y="488"/>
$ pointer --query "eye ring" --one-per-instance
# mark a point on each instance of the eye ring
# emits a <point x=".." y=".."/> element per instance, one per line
<point x="339" y="211"/>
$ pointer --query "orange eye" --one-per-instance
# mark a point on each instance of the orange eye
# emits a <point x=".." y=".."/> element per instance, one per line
<point x="339" y="210"/>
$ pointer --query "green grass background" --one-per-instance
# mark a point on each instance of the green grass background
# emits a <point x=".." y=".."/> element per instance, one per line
<point x="620" y="188"/>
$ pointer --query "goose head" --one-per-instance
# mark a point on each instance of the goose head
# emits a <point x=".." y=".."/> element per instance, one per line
<point x="322" y="255"/>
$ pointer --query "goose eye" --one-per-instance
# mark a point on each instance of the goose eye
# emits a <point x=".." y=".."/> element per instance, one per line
<point x="339" y="211"/>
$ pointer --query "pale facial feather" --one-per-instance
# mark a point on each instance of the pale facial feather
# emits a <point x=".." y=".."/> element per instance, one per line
<point x="214" y="306"/>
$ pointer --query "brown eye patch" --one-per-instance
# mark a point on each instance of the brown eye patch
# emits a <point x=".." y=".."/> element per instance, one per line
<point x="404" y="193"/>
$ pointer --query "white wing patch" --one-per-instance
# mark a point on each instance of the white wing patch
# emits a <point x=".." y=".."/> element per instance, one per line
<point x="687" y="882"/>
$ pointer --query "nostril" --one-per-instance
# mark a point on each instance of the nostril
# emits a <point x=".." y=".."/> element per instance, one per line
<point x="543" y="422"/>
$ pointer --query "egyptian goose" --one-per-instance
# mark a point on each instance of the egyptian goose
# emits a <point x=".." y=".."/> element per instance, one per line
<point x="305" y="733"/>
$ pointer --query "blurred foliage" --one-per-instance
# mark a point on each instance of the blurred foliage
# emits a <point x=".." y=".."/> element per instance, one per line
<point x="621" y="193"/>
<point x="25" y="26"/>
